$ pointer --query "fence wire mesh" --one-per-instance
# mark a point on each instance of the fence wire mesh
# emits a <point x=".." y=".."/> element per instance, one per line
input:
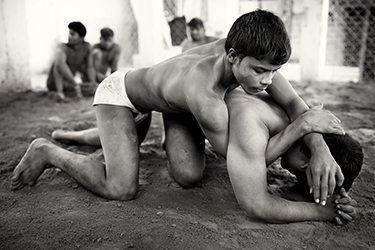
<point x="351" y="34"/>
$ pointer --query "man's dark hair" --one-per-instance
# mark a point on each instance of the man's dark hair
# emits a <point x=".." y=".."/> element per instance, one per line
<point x="106" y="33"/>
<point x="260" y="34"/>
<point x="78" y="27"/>
<point x="195" y="23"/>
<point x="347" y="152"/>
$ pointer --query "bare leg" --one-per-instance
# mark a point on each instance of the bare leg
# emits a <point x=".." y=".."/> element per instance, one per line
<point x="84" y="137"/>
<point x="185" y="149"/>
<point x="59" y="82"/>
<point x="91" y="136"/>
<point x="118" y="179"/>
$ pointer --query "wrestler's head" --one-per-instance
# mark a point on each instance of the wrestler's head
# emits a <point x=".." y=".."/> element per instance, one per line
<point x="346" y="151"/>
<point x="196" y="29"/>
<point x="77" y="32"/>
<point x="259" y="34"/>
<point x="106" y="38"/>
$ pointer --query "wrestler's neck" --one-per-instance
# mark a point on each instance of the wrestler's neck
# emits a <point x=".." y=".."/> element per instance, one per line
<point x="75" y="43"/>
<point x="223" y="71"/>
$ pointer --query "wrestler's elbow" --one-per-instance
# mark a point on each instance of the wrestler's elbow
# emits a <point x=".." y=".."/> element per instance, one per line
<point x="258" y="211"/>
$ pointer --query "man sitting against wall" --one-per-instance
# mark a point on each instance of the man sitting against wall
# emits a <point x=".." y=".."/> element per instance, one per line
<point x="72" y="69"/>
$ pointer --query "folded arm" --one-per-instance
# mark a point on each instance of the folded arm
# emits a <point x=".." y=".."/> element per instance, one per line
<point x="90" y="68"/>
<point x="323" y="173"/>
<point x="115" y="59"/>
<point x="213" y="121"/>
<point x="60" y="61"/>
<point x="313" y="120"/>
<point x="247" y="170"/>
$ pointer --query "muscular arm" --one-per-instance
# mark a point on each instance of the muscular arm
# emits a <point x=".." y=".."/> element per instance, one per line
<point x="323" y="168"/>
<point x="115" y="59"/>
<point x="90" y="68"/>
<point x="281" y="142"/>
<point x="247" y="171"/>
<point x="212" y="116"/>
<point x="313" y="120"/>
<point x="60" y="60"/>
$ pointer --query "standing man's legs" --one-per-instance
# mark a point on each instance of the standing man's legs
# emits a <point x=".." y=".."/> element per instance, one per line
<point x="117" y="179"/>
<point x="185" y="148"/>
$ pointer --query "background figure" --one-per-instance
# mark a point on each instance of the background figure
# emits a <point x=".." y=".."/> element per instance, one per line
<point x="105" y="54"/>
<point x="72" y="65"/>
<point x="197" y="35"/>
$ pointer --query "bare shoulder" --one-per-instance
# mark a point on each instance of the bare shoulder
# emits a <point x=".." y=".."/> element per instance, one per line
<point x="259" y="107"/>
<point x="117" y="47"/>
<point x="211" y="39"/>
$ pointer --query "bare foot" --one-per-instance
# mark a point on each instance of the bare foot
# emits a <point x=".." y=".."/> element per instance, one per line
<point x="31" y="166"/>
<point x="58" y="134"/>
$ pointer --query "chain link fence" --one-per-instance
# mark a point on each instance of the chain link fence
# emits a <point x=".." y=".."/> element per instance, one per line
<point x="351" y="37"/>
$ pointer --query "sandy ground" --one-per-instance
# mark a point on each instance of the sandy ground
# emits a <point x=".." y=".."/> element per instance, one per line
<point x="58" y="213"/>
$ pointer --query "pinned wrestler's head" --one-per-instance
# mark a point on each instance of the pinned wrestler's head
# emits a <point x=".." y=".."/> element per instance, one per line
<point x="346" y="151"/>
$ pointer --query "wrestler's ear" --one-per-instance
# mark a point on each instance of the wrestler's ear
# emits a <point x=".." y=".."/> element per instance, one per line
<point x="232" y="55"/>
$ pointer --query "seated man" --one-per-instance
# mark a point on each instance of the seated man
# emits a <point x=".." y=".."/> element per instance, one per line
<point x="257" y="122"/>
<point x="105" y="54"/>
<point x="197" y="35"/>
<point x="71" y="61"/>
<point x="194" y="82"/>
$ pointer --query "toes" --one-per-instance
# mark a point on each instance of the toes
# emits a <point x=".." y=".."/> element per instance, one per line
<point x="16" y="182"/>
<point x="17" y="185"/>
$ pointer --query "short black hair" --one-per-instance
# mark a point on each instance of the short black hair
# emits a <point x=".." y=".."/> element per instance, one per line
<point x="346" y="151"/>
<point x="106" y="33"/>
<point x="78" y="27"/>
<point x="260" y="34"/>
<point x="195" y="23"/>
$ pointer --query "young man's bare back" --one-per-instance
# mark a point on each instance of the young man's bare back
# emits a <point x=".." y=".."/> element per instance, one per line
<point x="194" y="82"/>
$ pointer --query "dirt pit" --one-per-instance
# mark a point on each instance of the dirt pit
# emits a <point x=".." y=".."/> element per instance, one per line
<point x="58" y="213"/>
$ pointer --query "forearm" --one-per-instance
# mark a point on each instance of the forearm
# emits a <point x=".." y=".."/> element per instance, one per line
<point x="65" y="72"/>
<point x="315" y="142"/>
<point x="91" y="74"/>
<point x="281" y="142"/>
<point x="275" y="209"/>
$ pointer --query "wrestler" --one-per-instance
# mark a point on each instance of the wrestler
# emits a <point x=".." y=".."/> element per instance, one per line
<point x="195" y="82"/>
<point x="198" y="35"/>
<point x="72" y="69"/>
<point x="105" y="54"/>
<point x="258" y="120"/>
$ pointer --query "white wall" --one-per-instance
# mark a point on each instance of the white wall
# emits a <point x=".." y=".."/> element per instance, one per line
<point x="48" y="20"/>
<point x="14" y="52"/>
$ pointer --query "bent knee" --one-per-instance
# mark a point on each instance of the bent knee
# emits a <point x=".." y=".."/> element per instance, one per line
<point x="189" y="180"/>
<point x="123" y="193"/>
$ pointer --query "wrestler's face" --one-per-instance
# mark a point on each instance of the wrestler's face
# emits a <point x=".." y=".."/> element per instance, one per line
<point x="197" y="33"/>
<point x="294" y="160"/>
<point x="253" y="75"/>
<point x="107" y="43"/>
<point x="74" y="37"/>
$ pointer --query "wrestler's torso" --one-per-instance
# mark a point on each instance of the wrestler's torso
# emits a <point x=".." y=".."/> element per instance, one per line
<point x="178" y="83"/>
<point x="76" y="56"/>
<point x="261" y="107"/>
<point x="108" y="55"/>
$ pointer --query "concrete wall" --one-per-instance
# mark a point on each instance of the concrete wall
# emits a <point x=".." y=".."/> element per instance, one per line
<point x="14" y="50"/>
